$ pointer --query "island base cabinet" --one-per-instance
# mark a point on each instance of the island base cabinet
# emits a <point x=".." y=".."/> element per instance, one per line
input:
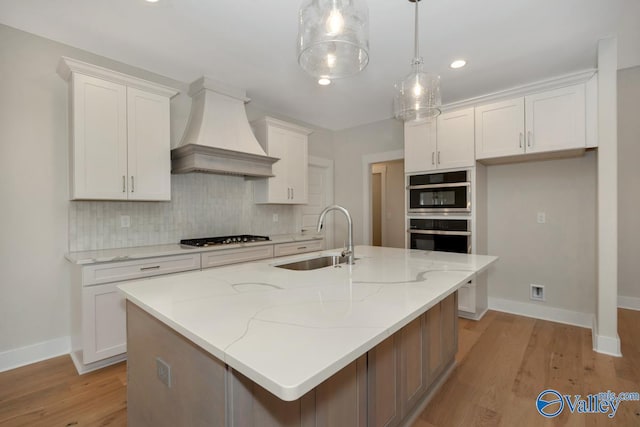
<point x="384" y="387"/>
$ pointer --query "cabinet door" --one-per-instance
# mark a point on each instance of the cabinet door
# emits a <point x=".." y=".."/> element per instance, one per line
<point x="467" y="298"/>
<point x="412" y="367"/>
<point x="297" y="161"/>
<point x="383" y="384"/>
<point x="104" y="330"/>
<point x="500" y="129"/>
<point x="149" y="162"/>
<point x="456" y="139"/>
<point x="555" y="120"/>
<point x="449" y="313"/>
<point x="278" y="188"/>
<point x="99" y="147"/>
<point x="419" y="146"/>
<point x="433" y="340"/>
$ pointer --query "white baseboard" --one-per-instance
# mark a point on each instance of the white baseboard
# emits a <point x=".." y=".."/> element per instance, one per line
<point x="82" y="369"/>
<point x="603" y="344"/>
<point x="22" y="356"/>
<point x="631" y="303"/>
<point x="537" y="311"/>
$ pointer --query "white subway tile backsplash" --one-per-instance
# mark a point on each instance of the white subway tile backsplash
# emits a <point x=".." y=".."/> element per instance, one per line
<point x="202" y="205"/>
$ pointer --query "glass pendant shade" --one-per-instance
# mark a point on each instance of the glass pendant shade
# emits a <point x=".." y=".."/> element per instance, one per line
<point x="333" y="37"/>
<point x="418" y="94"/>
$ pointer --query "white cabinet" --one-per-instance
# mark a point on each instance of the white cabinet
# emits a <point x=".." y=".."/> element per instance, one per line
<point x="99" y="335"/>
<point x="455" y="139"/>
<point x="549" y="121"/>
<point x="467" y="298"/>
<point x="234" y="256"/>
<point x="284" y="249"/>
<point x="120" y="136"/>
<point x="445" y="143"/>
<point x="289" y="143"/>
<point x="420" y="146"/>
<point x="104" y="322"/>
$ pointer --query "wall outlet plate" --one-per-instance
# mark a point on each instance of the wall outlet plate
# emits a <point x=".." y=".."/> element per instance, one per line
<point x="125" y="221"/>
<point x="163" y="370"/>
<point x="537" y="292"/>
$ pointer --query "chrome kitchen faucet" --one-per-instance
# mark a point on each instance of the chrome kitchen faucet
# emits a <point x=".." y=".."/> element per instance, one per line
<point x="348" y="252"/>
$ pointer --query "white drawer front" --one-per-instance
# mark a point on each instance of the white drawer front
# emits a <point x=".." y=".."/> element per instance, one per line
<point x="233" y="256"/>
<point x="284" y="249"/>
<point x="128" y="270"/>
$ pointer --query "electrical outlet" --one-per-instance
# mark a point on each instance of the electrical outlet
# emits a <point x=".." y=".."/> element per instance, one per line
<point x="163" y="370"/>
<point x="537" y="293"/>
<point x="275" y="217"/>
<point x="125" y="221"/>
<point x="542" y="217"/>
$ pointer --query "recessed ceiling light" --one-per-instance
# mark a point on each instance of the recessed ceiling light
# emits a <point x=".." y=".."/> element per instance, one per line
<point x="458" y="63"/>
<point x="324" y="81"/>
<point x="152" y="1"/>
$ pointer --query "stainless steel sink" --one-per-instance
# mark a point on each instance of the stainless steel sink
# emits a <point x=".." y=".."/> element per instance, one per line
<point x="315" y="263"/>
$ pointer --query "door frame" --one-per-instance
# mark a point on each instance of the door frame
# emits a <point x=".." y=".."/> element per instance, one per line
<point x="381" y="169"/>
<point x="367" y="161"/>
<point x="328" y="167"/>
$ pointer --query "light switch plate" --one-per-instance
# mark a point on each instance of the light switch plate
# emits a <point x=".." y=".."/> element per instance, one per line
<point x="542" y="217"/>
<point x="163" y="370"/>
<point x="125" y="221"/>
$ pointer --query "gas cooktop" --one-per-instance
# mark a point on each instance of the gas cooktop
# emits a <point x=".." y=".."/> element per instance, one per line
<point x="223" y="240"/>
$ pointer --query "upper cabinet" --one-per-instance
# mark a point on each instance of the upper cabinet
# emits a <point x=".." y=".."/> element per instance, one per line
<point x="455" y="139"/>
<point x="444" y="143"/>
<point x="542" y="122"/>
<point x="120" y="135"/>
<point x="289" y="143"/>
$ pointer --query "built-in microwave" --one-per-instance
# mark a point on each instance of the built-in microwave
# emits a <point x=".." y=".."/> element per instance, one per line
<point x="445" y="235"/>
<point x="442" y="193"/>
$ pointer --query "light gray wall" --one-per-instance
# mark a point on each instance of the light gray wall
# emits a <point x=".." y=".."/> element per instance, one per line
<point x="35" y="226"/>
<point x="560" y="254"/>
<point x="629" y="182"/>
<point x="350" y="146"/>
<point x="394" y="210"/>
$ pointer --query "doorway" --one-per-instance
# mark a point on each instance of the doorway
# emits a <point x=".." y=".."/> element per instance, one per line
<point x="387" y="204"/>
<point x="320" y="195"/>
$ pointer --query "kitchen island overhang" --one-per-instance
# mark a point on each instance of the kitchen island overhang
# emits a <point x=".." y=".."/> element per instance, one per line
<point x="289" y="331"/>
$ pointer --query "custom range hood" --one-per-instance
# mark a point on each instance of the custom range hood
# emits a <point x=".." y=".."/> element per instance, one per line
<point x="218" y="138"/>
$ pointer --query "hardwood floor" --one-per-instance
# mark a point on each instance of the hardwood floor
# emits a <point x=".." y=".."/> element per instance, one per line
<point x="504" y="362"/>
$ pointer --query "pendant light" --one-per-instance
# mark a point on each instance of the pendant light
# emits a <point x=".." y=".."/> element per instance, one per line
<point x="333" y="38"/>
<point x="418" y="94"/>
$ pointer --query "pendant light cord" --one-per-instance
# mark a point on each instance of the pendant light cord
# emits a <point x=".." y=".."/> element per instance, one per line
<point x="416" y="42"/>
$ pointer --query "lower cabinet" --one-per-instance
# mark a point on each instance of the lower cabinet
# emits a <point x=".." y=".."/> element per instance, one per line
<point x="103" y="322"/>
<point x="383" y="387"/>
<point x="406" y="366"/>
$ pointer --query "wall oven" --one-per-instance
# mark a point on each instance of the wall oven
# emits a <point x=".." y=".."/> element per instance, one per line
<point x="439" y="193"/>
<point x="446" y="235"/>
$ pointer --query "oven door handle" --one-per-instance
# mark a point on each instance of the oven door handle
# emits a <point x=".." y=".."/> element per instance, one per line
<point x="447" y="185"/>
<point x="440" y="232"/>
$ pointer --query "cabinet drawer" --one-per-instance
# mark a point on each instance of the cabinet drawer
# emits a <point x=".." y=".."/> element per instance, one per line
<point x="284" y="249"/>
<point x="232" y="256"/>
<point x="128" y="270"/>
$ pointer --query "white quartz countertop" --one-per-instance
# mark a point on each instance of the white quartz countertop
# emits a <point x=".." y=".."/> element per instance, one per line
<point x="288" y="331"/>
<point x="138" y="252"/>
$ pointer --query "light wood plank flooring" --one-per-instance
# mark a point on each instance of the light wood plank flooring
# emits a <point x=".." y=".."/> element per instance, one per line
<point x="504" y="361"/>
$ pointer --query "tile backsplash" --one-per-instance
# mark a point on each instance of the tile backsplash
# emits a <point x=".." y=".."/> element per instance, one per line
<point x="201" y="205"/>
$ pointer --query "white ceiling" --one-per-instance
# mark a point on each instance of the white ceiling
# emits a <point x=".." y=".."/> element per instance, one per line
<point x="251" y="44"/>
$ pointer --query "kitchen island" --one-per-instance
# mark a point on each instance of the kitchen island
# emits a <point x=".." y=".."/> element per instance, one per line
<point x="254" y="344"/>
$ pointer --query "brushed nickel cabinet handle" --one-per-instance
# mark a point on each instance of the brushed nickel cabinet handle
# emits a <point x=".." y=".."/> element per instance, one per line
<point x="302" y="247"/>
<point x="529" y="139"/>
<point x="438" y="157"/>
<point x="293" y="193"/>
<point x="433" y="157"/>
<point x="133" y="184"/>
<point x="521" y="135"/>
<point x="155" y="267"/>
<point x="124" y="184"/>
